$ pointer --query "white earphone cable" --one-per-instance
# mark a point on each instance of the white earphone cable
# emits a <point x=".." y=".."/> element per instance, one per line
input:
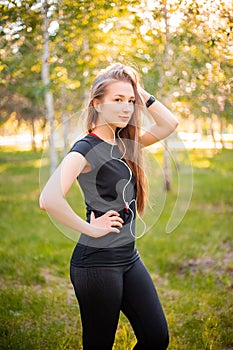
<point x="127" y="204"/>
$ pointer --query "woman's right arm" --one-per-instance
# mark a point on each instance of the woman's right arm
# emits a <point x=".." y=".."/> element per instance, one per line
<point x="52" y="200"/>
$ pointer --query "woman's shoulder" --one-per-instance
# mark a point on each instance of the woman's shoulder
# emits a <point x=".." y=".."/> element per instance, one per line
<point x="84" y="144"/>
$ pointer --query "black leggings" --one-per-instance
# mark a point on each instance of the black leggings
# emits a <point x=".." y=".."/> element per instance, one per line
<point x="103" y="291"/>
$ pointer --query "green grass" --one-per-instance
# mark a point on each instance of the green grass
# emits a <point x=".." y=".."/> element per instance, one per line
<point x="192" y="267"/>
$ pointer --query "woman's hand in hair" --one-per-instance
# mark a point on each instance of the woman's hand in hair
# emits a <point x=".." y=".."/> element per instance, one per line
<point x="106" y="223"/>
<point x="165" y="121"/>
<point x="143" y="94"/>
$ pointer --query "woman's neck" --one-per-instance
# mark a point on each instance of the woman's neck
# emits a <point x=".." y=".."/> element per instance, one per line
<point x="104" y="132"/>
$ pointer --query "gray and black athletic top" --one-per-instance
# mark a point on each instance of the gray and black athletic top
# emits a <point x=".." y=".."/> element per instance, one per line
<point x="103" y="188"/>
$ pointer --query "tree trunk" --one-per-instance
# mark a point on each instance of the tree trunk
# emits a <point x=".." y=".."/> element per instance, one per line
<point x="221" y="130"/>
<point x="65" y="121"/>
<point x="167" y="66"/>
<point x="212" y="132"/>
<point x="33" y="142"/>
<point x="48" y="94"/>
<point x="42" y="129"/>
<point x="86" y="71"/>
<point x="167" y="168"/>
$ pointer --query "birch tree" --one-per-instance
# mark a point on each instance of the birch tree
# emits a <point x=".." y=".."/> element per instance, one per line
<point x="48" y="94"/>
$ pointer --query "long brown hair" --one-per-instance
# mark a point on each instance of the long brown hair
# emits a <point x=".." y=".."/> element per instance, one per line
<point x="129" y="134"/>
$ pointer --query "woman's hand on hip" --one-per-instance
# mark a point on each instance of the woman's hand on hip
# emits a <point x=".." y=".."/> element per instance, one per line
<point x="106" y="223"/>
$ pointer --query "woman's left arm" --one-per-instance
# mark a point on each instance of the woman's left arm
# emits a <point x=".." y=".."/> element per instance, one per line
<point x="165" y="121"/>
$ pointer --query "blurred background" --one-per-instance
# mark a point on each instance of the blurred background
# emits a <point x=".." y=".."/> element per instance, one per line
<point x="51" y="50"/>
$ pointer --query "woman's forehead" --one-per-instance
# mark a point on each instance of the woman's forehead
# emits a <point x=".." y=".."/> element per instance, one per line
<point x="120" y="88"/>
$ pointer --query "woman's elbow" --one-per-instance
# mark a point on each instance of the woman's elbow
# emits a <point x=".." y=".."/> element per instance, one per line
<point x="45" y="201"/>
<point x="48" y="201"/>
<point x="175" y="123"/>
<point x="172" y="126"/>
<point x="42" y="202"/>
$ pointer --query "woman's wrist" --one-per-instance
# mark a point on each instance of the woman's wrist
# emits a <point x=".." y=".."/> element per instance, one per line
<point x="150" y="101"/>
<point x="146" y="97"/>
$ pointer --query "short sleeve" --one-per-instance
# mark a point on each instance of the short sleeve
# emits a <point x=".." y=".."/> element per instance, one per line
<point x="81" y="146"/>
<point x="86" y="148"/>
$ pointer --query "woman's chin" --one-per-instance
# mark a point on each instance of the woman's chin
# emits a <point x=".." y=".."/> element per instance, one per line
<point x="121" y="125"/>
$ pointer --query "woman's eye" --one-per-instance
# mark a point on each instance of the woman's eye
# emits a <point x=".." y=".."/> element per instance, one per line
<point x="120" y="100"/>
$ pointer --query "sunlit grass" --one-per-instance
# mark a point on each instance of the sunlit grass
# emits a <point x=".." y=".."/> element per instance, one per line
<point x="191" y="267"/>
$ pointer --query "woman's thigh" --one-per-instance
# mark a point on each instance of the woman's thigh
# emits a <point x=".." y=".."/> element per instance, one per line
<point x="99" y="293"/>
<point x="142" y="307"/>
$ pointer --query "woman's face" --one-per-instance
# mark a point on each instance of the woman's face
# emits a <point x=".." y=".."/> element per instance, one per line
<point x="117" y="105"/>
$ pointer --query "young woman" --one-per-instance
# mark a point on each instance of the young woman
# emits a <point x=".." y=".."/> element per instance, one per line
<point x="106" y="270"/>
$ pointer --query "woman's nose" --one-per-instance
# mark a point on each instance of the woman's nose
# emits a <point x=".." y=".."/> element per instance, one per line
<point x="127" y="107"/>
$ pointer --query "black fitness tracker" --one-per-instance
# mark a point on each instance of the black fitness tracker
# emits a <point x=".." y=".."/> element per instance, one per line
<point x="151" y="100"/>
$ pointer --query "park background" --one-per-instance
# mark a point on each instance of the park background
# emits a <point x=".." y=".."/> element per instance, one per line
<point x="50" y="52"/>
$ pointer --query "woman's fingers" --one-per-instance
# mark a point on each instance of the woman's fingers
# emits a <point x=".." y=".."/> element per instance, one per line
<point x="114" y="217"/>
<point x="115" y="230"/>
<point x="116" y="223"/>
<point x="109" y="221"/>
<point x="112" y="212"/>
<point x="92" y="216"/>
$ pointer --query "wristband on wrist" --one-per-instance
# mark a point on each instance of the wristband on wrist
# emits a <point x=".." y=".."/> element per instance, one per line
<point x="151" y="100"/>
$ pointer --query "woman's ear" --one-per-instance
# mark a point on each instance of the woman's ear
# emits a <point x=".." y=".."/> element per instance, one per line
<point x="96" y="104"/>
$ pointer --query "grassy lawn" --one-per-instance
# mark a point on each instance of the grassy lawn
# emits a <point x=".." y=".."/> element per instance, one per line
<point x="192" y="266"/>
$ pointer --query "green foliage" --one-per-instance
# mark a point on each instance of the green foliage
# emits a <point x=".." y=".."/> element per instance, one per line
<point x="183" y="51"/>
<point x="191" y="267"/>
